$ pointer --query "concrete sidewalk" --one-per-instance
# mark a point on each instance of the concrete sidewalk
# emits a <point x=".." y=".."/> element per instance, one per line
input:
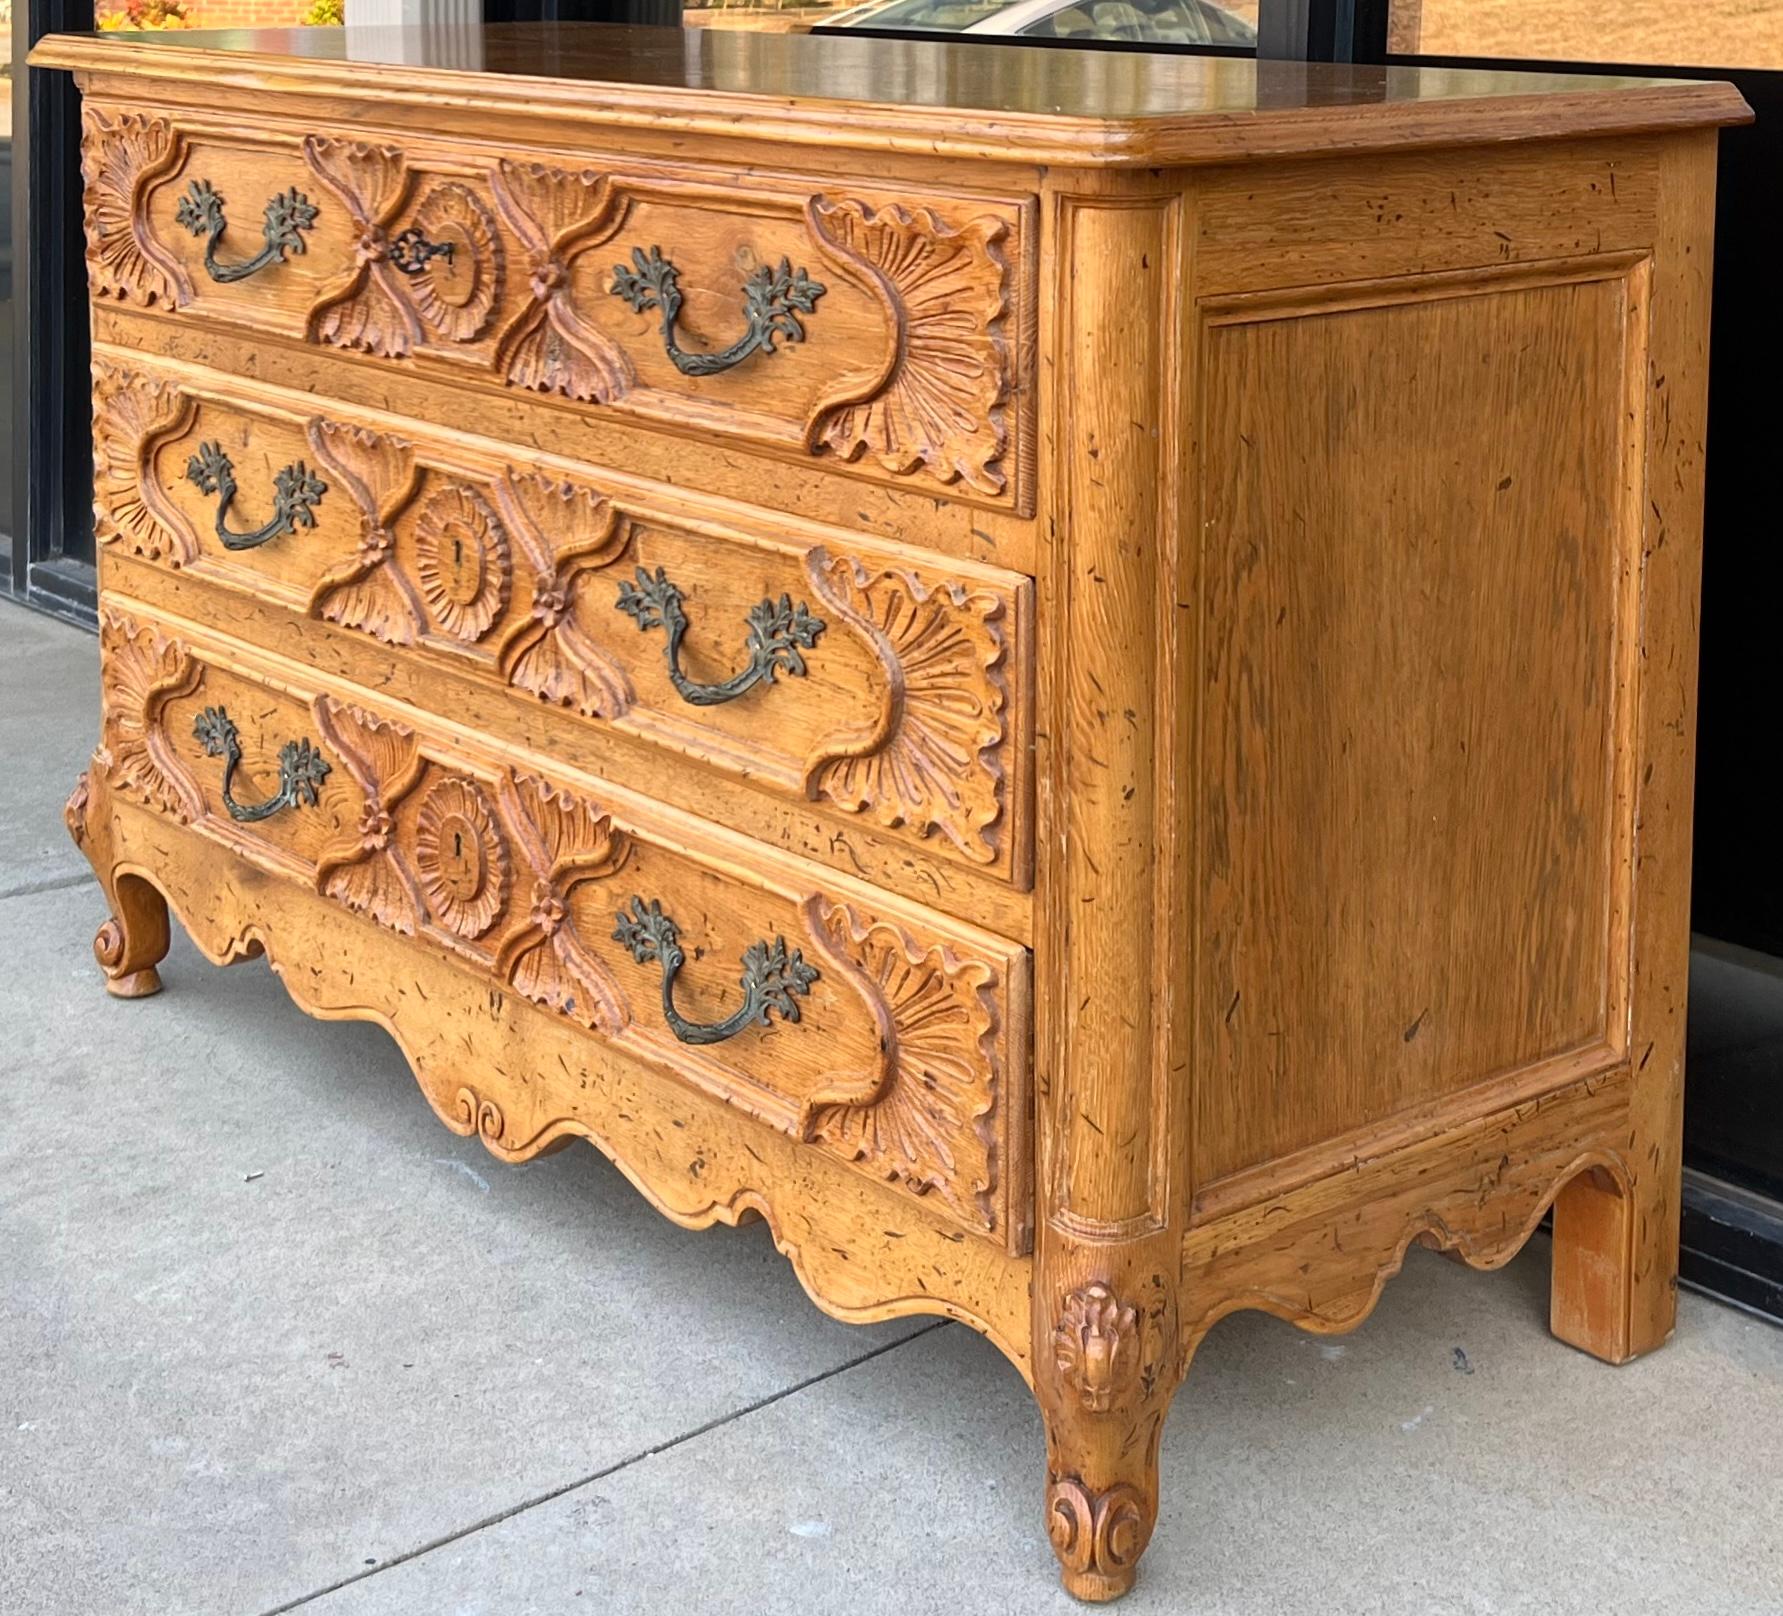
<point x="272" y="1339"/>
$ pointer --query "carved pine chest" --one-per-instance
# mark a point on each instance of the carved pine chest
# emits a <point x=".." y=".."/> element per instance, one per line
<point x="1069" y="676"/>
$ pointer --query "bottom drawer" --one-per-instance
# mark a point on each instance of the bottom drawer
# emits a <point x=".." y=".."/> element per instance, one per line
<point x="890" y="1036"/>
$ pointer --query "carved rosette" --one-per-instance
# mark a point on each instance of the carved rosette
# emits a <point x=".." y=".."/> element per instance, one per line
<point x="940" y="399"/>
<point x="367" y="591"/>
<point x="455" y="299"/>
<point x="460" y="858"/>
<point x="370" y="310"/>
<point x="1097" y="1347"/>
<point x="567" y="530"/>
<point x="140" y="671"/>
<point x="931" y="761"/>
<point x="1097" y="1535"/>
<point x="547" y="347"/>
<point x="927" y="1122"/>
<point x="565" y="842"/>
<point x="132" y="417"/>
<point x="461" y="561"/>
<point x="366" y="871"/>
<point x="122" y="159"/>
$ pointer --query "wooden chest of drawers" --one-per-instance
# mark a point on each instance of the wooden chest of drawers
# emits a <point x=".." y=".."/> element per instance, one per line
<point x="1074" y="684"/>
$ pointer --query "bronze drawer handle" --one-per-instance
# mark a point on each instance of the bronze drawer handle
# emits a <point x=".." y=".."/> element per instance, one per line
<point x="302" y="769"/>
<point x="773" y="299"/>
<point x="779" y="635"/>
<point x="288" y="215"/>
<point x="296" y="491"/>
<point x="772" y="974"/>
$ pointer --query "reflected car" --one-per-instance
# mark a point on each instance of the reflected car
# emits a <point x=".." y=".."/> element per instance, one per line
<point x="1139" y="22"/>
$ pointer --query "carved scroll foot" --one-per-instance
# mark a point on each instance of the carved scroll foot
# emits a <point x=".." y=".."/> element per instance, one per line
<point x="134" y="940"/>
<point x="1099" y="1515"/>
<point x="1615" y="1280"/>
<point x="1106" y="1366"/>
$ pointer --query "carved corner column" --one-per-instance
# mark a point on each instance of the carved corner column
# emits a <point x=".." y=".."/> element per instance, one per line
<point x="1107" y="1349"/>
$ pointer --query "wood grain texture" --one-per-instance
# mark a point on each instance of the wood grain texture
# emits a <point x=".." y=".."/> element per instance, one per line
<point x="1256" y="508"/>
<point x="907" y="709"/>
<point x="952" y="101"/>
<point x="904" y="1054"/>
<point x="908" y="363"/>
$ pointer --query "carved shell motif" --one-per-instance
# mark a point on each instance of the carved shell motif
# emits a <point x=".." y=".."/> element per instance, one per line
<point x="929" y="1125"/>
<point x="132" y="418"/>
<point x="460" y="858"/>
<point x="455" y="298"/>
<point x="121" y="159"/>
<point x="932" y="760"/>
<point x="940" y="399"/>
<point x="461" y="561"/>
<point x="141" y="670"/>
<point x="1096" y="1346"/>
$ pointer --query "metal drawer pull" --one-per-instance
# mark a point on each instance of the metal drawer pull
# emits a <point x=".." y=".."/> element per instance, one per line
<point x="302" y="769"/>
<point x="296" y="491"/>
<point x="779" y="635"/>
<point x="773" y="299"/>
<point x="772" y="974"/>
<point x="288" y="215"/>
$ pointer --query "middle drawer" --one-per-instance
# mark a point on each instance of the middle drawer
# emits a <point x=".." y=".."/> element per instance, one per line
<point x="877" y="681"/>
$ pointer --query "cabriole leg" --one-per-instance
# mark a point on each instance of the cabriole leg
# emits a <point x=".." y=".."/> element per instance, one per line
<point x="134" y="940"/>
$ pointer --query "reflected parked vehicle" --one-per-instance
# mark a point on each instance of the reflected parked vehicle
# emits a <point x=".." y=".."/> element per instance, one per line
<point x="1139" y="22"/>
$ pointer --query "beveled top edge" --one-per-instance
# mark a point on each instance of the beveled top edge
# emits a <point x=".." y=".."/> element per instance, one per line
<point x="1072" y="108"/>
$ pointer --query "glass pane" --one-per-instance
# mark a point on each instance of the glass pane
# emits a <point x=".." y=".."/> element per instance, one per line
<point x="1145" y="22"/>
<point x="1670" y="33"/>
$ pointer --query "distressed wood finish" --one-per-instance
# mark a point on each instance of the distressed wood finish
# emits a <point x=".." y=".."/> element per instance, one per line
<point x="905" y="357"/>
<point x="1226" y="555"/>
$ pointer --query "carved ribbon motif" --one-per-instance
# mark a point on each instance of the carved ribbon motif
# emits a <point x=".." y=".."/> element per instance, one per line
<point x="365" y="871"/>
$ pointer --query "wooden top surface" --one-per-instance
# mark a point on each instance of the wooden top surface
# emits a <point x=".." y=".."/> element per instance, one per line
<point x="1030" y="103"/>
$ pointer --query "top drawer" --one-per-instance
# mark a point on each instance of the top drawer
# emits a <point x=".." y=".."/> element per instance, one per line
<point x="869" y="328"/>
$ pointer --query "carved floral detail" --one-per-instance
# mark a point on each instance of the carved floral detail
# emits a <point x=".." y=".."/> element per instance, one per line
<point x="548" y="347"/>
<point x="455" y="299"/>
<point x="1097" y="1346"/>
<point x="461" y="561"/>
<point x="366" y="871"/>
<point x="1096" y="1534"/>
<point x="122" y="158"/>
<point x="371" y="310"/>
<point x="564" y="842"/>
<point x="927" y="1123"/>
<point x="460" y="858"/>
<point x="140" y="671"/>
<point x="930" y="762"/>
<point x="566" y="531"/>
<point x="366" y="591"/>
<point x="132" y="417"/>
<point x="939" y="401"/>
